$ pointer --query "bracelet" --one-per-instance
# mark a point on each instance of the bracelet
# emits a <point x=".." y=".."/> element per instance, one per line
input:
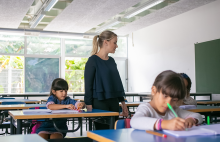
<point x="160" y="121"/>
<point x="158" y="124"/>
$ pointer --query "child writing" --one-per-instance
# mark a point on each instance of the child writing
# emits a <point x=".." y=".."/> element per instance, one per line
<point x="187" y="100"/>
<point x="168" y="87"/>
<point x="58" y="100"/>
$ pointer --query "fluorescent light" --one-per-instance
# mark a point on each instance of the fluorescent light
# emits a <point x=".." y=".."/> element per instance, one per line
<point x="37" y="20"/>
<point x="142" y="8"/>
<point x="108" y="25"/>
<point x="50" y="5"/>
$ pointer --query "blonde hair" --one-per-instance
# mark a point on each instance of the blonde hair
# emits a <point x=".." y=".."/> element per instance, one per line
<point x="98" y="40"/>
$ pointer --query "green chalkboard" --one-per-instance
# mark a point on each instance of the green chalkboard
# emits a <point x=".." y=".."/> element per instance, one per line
<point x="207" y="65"/>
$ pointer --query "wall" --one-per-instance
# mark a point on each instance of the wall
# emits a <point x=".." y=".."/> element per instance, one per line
<point x="169" y="45"/>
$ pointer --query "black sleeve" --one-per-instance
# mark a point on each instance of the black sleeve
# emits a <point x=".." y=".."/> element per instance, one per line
<point x="89" y="75"/>
<point x="121" y="99"/>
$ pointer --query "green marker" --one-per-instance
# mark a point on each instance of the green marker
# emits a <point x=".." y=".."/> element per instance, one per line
<point x="208" y="120"/>
<point x="170" y="107"/>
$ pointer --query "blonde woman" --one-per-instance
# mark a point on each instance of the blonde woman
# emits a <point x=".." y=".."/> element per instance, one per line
<point x="103" y="85"/>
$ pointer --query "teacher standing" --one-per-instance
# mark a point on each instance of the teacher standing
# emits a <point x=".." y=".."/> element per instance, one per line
<point x="103" y="85"/>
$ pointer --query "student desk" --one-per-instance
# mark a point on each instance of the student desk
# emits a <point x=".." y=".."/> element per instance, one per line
<point x="217" y="102"/>
<point x="132" y="135"/>
<point x="22" y="138"/>
<point x="202" y="108"/>
<point x="20" y="100"/>
<point x="19" y="116"/>
<point x="132" y="104"/>
<point x="22" y="106"/>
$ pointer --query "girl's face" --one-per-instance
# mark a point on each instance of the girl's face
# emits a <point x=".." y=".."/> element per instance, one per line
<point x="111" y="45"/>
<point x="159" y="101"/>
<point x="60" y="94"/>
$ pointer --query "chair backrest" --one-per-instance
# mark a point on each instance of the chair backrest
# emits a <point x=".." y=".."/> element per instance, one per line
<point x="119" y="124"/>
<point x="12" y="103"/>
<point x="6" y="98"/>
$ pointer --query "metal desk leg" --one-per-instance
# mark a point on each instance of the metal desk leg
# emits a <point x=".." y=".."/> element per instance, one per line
<point x="19" y="127"/>
<point x="112" y="122"/>
<point x="73" y="124"/>
<point x="80" y="119"/>
<point x="90" y="124"/>
<point x="11" y="125"/>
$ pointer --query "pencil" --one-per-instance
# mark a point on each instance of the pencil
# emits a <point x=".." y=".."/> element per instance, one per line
<point x="156" y="133"/>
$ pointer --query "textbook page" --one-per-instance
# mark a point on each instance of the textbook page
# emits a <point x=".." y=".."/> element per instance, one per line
<point x="65" y="111"/>
<point x="29" y="111"/>
<point x="187" y="107"/>
<point x="194" y="131"/>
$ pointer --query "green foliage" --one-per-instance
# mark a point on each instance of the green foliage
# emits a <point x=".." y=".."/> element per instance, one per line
<point x="74" y="74"/>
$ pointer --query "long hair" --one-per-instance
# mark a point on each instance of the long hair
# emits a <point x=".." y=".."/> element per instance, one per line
<point x="170" y="83"/>
<point x="59" y="84"/>
<point x="98" y="40"/>
<point x="188" y="87"/>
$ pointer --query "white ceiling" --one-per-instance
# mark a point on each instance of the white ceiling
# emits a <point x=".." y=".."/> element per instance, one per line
<point x="12" y="12"/>
<point x="162" y="14"/>
<point x="82" y="15"/>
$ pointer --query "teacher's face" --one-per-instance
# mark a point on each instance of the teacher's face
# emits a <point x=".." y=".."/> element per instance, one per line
<point x="112" y="45"/>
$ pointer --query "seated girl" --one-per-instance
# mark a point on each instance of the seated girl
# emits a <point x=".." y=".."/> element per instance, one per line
<point x="187" y="100"/>
<point x="58" y="100"/>
<point x="168" y="87"/>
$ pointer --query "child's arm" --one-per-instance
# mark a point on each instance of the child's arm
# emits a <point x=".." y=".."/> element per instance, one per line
<point x="142" y="118"/>
<point x="190" y="117"/>
<point x="59" y="106"/>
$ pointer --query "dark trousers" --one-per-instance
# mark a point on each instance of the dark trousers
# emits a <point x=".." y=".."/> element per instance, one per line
<point x="111" y="104"/>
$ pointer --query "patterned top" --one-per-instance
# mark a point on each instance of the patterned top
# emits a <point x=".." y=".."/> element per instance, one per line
<point x="189" y="101"/>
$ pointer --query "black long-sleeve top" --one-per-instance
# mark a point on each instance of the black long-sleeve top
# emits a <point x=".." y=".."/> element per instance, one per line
<point x="102" y="80"/>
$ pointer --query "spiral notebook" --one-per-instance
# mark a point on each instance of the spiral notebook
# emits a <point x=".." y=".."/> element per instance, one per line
<point x="196" y="131"/>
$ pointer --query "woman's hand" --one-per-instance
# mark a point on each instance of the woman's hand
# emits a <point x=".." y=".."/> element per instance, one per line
<point x="124" y="109"/>
<point x="175" y="124"/>
<point x="80" y="105"/>
<point x="189" y="122"/>
<point x="70" y="106"/>
<point x="89" y="107"/>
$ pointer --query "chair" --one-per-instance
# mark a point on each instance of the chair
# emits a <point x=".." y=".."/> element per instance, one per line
<point x="6" y="124"/>
<point x="119" y="124"/>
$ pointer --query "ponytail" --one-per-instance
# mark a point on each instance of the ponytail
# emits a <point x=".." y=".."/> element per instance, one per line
<point x="95" y="45"/>
<point x="98" y="40"/>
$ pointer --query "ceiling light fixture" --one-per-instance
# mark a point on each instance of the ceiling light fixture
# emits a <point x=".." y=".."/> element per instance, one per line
<point x="108" y="25"/>
<point x="36" y="21"/>
<point x="142" y="8"/>
<point x="50" y="5"/>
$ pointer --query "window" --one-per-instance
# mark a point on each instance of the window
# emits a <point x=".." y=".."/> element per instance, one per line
<point x="74" y="73"/>
<point x="43" y="45"/>
<point x="11" y="44"/>
<point x="78" y="47"/>
<point x="11" y="74"/>
<point x="121" y="51"/>
<point x="40" y="73"/>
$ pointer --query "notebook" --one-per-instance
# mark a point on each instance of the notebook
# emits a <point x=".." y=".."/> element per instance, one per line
<point x="187" y="107"/>
<point x="196" y="131"/>
<point x="29" y="111"/>
<point x="65" y="111"/>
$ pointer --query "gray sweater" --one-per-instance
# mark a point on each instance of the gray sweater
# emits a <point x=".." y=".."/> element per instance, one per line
<point x="145" y="116"/>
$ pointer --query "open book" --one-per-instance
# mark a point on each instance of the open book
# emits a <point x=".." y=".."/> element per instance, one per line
<point x="186" y="107"/>
<point x="65" y="111"/>
<point x="197" y="130"/>
<point x="30" y="111"/>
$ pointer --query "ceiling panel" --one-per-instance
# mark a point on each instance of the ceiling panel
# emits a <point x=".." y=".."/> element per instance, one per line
<point x="82" y="15"/>
<point x="12" y="12"/>
<point x="162" y="14"/>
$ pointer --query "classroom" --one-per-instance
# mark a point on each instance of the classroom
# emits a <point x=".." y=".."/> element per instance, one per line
<point x="109" y="71"/>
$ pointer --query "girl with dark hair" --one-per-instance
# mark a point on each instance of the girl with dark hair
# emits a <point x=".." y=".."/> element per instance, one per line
<point x="187" y="100"/>
<point x="168" y="87"/>
<point x="103" y="85"/>
<point x="58" y="100"/>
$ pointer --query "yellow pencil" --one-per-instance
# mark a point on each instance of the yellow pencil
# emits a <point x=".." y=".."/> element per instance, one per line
<point x="156" y="133"/>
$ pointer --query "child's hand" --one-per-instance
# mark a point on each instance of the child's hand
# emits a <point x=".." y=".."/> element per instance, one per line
<point x="80" y="105"/>
<point x="70" y="106"/>
<point x="176" y="124"/>
<point x="189" y="122"/>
